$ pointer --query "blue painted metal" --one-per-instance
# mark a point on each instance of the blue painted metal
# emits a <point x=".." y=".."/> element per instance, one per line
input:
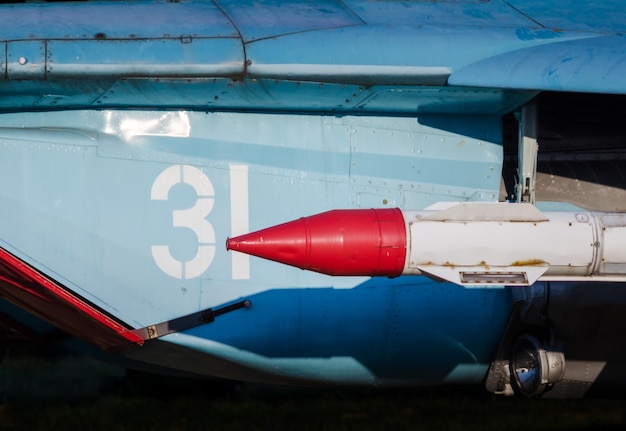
<point x="115" y="20"/>
<point x="605" y="17"/>
<point x="254" y="95"/>
<point x="447" y="14"/>
<point x="25" y="59"/>
<point x="382" y="332"/>
<point x="386" y="50"/>
<point x="382" y="54"/>
<point x="309" y="163"/>
<point x="586" y="65"/>
<point x="128" y="153"/>
<point x="268" y="19"/>
<point x="94" y="58"/>
<point x="91" y="222"/>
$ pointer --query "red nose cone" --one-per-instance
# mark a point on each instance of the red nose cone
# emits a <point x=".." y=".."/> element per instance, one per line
<point x="368" y="242"/>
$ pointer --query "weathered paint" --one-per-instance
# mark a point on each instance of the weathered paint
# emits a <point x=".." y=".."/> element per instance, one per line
<point x="119" y="139"/>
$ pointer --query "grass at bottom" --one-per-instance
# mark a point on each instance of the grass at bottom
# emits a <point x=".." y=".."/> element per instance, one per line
<point x="318" y="410"/>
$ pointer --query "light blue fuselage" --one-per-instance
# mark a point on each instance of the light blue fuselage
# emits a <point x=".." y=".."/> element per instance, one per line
<point x="130" y="152"/>
<point x="98" y="205"/>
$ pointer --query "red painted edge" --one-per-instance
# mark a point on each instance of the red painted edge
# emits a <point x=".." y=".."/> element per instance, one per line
<point x="31" y="290"/>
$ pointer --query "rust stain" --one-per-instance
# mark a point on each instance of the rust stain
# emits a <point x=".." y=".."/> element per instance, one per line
<point x="528" y="262"/>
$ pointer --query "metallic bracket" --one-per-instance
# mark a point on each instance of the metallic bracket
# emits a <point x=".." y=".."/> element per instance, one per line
<point x="186" y="322"/>
<point x="527" y="149"/>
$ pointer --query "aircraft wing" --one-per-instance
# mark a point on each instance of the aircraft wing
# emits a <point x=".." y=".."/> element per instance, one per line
<point x="594" y="64"/>
<point x="495" y="45"/>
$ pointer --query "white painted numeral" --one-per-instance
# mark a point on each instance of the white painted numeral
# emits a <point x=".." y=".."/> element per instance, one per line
<point x="239" y="223"/>
<point x="193" y="218"/>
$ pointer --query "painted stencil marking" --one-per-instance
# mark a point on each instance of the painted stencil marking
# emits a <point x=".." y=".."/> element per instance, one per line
<point x="194" y="219"/>
<point x="239" y="223"/>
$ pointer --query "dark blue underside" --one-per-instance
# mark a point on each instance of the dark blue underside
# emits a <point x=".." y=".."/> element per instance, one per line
<point x="409" y="328"/>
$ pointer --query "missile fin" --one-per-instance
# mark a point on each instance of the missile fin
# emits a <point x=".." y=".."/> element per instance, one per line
<point x="489" y="211"/>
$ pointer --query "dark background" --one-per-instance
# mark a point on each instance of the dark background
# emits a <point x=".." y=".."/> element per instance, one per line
<point x="44" y="389"/>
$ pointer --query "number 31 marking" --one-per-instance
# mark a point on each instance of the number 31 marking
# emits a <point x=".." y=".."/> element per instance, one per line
<point x="193" y="218"/>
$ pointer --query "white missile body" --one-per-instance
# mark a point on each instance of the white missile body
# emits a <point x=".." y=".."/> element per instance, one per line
<point x="471" y="244"/>
<point x="514" y="244"/>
